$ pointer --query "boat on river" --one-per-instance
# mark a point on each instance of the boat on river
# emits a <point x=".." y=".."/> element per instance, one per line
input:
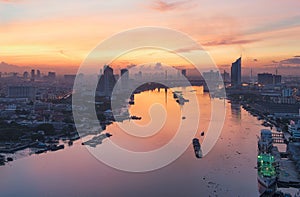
<point x="266" y="173"/>
<point x="197" y="148"/>
<point x="265" y="142"/>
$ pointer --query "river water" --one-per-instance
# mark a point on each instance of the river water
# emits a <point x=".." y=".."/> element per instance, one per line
<point x="227" y="170"/>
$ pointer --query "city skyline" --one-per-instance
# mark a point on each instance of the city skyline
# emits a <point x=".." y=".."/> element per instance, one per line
<point x="141" y="98"/>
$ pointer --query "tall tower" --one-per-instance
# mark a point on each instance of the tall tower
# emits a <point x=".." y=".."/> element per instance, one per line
<point x="38" y="74"/>
<point x="183" y="72"/>
<point x="124" y="78"/>
<point x="109" y="80"/>
<point x="236" y="72"/>
<point x="32" y="76"/>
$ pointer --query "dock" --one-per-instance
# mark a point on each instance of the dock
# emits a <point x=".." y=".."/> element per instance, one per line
<point x="288" y="175"/>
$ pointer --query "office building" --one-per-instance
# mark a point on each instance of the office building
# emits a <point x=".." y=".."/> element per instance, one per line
<point x="22" y="92"/>
<point x="106" y="82"/>
<point x="183" y="72"/>
<point x="236" y="72"/>
<point x="268" y="79"/>
<point x="124" y="78"/>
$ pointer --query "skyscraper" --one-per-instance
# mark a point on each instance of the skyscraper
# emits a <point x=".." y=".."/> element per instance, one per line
<point x="25" y="75"/>
<point x="38" y="74"/>
<point x="107" y="81"/>
<point x="32" y="77"/>
<point x="51" y="75"/>
<point x="183" y="72"/>
<point x="124" y="78"/>
<point x="236" y="72"/>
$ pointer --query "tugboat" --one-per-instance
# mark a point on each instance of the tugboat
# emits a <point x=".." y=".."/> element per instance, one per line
<point x="197" y="148"/>
<point x="266" y="173"/>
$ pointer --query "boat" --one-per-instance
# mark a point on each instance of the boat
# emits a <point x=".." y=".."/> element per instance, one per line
<point x="40" y="151"/>
<point x="266" y="173"/>
<point x="197" y="148"/>
<point x="265" y="142"/>
<point x="56" y="147"/>
<point x="135" y="118"/>
<point x="108" y="134"/>
<point x="175" y="95"/>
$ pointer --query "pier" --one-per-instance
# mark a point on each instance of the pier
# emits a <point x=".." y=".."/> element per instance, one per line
<point x="287" y="164"/>
<point x="288" y="175"/>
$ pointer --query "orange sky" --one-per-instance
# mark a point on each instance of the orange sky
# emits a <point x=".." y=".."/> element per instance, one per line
<point x="57" y="34"/>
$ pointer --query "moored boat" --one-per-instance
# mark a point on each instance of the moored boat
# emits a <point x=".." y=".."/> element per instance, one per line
<point x="197" y="148"/>
<point x="265" y="142"/>
<point x="266" y="173"/>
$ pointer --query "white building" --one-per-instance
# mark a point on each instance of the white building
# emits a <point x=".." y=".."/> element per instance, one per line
<point x="294" y="129"/>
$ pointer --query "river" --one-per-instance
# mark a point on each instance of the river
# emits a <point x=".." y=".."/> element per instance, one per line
<point x="227" y="170"/>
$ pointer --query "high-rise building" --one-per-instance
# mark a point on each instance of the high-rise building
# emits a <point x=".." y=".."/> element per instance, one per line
<point x="124" y="77"/>
<point x="32" y="76"/>
<point x="107" y="81"/>
<point x="212" y="76"/>
<point x="183" y="72"/>
<point x="212" y="80"/>
<point x="38" y="74"/>
<point x="225" y="76"/>
<point x="25" y="75"/>
<point x="268" y="79"/>
<point x="236" y="73"/>
<point x="265" y="78"/>
<point x="69" y="78"/>
<point x="22" y="92"/>
<point x="277" y="79"/>
<point x="51" y="75"/>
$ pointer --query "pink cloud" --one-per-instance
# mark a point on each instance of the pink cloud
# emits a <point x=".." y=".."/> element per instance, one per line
<point x="10" y="1"/>
<point x="229" y="42"/>
<point x="163" y="6"/>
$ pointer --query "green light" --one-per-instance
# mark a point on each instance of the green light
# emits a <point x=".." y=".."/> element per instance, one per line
<point x="265" y="165"/>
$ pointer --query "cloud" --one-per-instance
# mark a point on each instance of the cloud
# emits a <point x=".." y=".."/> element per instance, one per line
<point x="162" y="6"/>
<point x="10" y="1"/>
<point x="63" y="53"/>
<point x="188" y="49"/>
<point x="291" y="61"/>
<point x="274" y="62"/>
<point x="229" y="42"/>
<point x="286" y="23"/>
<point x="255" y="60"/>
<point x="297" y="56"/>
<point x="131" y="66"/>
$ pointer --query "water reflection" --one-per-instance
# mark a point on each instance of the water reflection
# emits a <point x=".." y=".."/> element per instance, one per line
<point x="236" y="111"/>
<point x="228" y="170"/>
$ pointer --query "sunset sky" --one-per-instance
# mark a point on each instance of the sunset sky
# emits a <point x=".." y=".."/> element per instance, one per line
<point x="62" y="33"/>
